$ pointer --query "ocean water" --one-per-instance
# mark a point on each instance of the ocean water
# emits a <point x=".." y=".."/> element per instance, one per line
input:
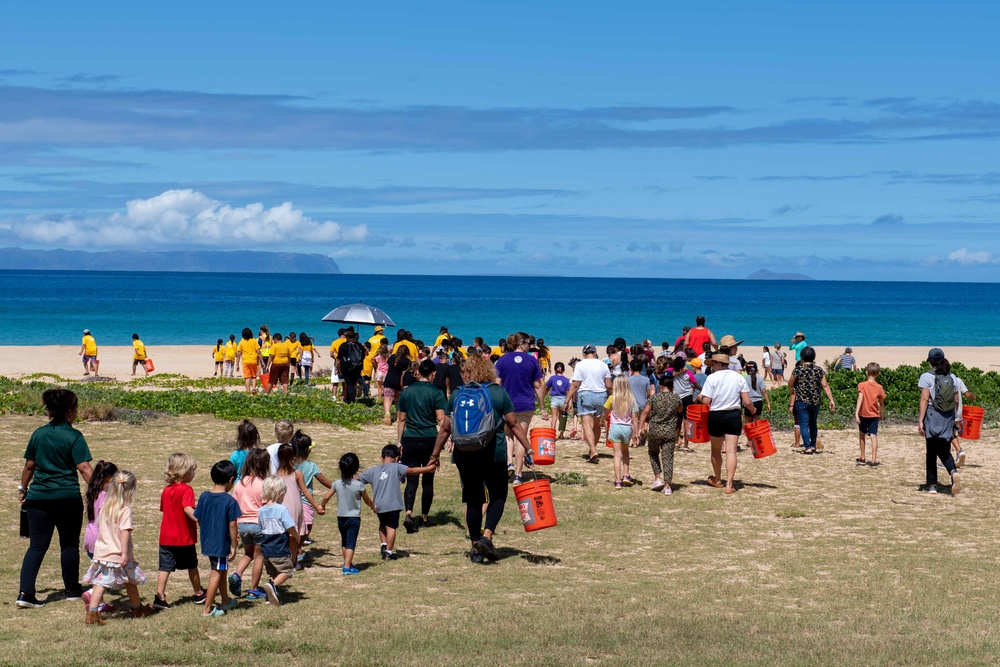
<point x="46" y="308"/>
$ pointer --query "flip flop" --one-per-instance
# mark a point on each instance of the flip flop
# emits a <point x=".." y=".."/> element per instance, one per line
<point x="861" y="461"/>
<point x="593" y="459"/>
<point x="730" y="490"/>
<point x="711" y="481"/>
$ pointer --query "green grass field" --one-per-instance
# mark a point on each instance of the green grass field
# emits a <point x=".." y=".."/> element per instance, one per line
<point x="816" y="561"/>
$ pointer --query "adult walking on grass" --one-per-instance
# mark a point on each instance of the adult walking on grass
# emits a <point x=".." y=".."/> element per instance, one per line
<point x="397" y="364"/>
<point x="590" y="386"/>
<point x="521" y="376"/>
<point x="50" y="494"/>
<point x="483" y="471"/>
<point x="939" y="397"/>
<point x="724" y="391"/>
<point x="419" y="411"/>
<point x="807" y="383"/>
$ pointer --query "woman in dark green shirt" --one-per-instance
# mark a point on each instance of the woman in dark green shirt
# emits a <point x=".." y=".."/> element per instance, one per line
<point x="418" y="412"/>
<point x="50" y="492"/>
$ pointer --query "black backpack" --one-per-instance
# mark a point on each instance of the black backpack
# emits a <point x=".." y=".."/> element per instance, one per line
<point x="354" y="359"/>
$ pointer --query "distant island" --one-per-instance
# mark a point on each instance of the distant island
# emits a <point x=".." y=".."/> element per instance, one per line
<point x="764" y="274"/>
<point x="190" y="261"/>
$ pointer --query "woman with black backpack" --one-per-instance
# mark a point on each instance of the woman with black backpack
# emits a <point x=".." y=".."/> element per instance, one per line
<point x="938" y="405"/>
<point x="399" y="363"/>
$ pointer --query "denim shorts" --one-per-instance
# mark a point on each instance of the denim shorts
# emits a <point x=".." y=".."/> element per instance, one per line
<point x="868" y="425"/>
<point x="558" y="402"/>
<point x="591" y="403"/>
<point x="250" y="534"/>
<point x="620" y="433"/>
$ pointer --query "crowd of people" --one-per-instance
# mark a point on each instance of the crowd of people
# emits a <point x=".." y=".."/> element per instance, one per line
<point x="476" y="401"/>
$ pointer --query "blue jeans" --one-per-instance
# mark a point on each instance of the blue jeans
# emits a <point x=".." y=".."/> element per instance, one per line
<point x="806" y="415"/>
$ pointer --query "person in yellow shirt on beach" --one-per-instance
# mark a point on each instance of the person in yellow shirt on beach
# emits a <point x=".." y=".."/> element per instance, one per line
<point x="376" y="339"/>
<point x="295" y="351"/>
<point x="443" y="338"/>
<point x="229" y="357"/>
<point x="334" y="349"/>
<point x="281" y="357"/>
<point x="368" y="369"/>
<point x="264" y="343"/>
<point x="138" y="354"/>
<point x="219" y="355"/>
<point x="88" y="352"/>
<point x="403" y="339"/>
<point x="248" y="356"/>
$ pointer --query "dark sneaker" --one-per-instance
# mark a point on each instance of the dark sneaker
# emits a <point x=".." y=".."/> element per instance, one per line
<point x="410" y="524"/>
<point x="518" y="480"/>
<point x="235" y="585"/>
<point x="160" y="603"/>
<point x="271" y="591"/>
<point x="199" y="598"/>
<point x="28" y="602"/>
<point x="74" y="595"/>
<point x="476" y="557"/>
<point x="383" y="549"/>
<point x="390" y="556"/>
<point x="484" y="545"/>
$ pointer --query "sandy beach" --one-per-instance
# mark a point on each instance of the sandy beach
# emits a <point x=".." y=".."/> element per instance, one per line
<point x="196" y="361"/>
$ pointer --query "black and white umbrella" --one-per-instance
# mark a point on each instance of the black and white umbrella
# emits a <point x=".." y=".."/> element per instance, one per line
<point x="359" y="313"/>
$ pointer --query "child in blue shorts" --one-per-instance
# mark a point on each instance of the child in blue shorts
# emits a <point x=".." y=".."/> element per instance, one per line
<point x="217" y="513"/>
<point x="350" y="492"/>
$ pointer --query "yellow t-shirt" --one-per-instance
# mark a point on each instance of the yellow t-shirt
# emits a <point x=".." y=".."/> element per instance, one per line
<point x="442" y="338"/>
<point x="409" y="345"/>
<point x="296" y="350"/>
<point x="220" y="352"/>
<point x="139" y="350"/>
<point x="249" y="351"/>
<point x="335" y="346"/>
<point x="89" y="346"/>
<point x="376" y="340"/>
<point x="496" y="351"/>
<point x="368" y="367"/>
<point x="461" y="353"/>
<point x="281" y="352"/>
<point x="230" y="351"/>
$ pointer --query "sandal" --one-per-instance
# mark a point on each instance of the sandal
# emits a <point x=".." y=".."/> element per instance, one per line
<point x="811" y="450"/>
<point x="711" y="481"/>
<point x="730" y="490"/>
<point x="861" y="461"/>
<point x="627" y="481"/>
<point x="593" y="459"/>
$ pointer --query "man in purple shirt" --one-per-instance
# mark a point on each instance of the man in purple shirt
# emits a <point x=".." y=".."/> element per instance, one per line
<point x="519" y="373"/>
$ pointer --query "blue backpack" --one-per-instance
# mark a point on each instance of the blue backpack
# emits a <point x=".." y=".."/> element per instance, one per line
<point x="473" y="419"/>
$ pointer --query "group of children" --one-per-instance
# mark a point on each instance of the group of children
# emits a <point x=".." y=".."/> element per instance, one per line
<point x="260" y="499"/>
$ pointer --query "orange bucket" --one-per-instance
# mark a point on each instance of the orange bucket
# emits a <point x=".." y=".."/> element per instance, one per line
<point x="534" y="500"/>
<point x="149" y="366"/>
<point x="265" y="380"/>
<point x="697" y="422"/>
<point x="761" y="440"/>
<point x="543" y="446"/>
<point x="607" y="432"/>
<point x="972" y="422"/>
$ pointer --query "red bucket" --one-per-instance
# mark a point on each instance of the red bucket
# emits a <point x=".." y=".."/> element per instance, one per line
<point x="697" y="422"/>
<point x="149" y="366"/>
<point x="543" y="446"/>
<point x="972" y="422"/>
<point x="265" y="380"/>
<point x="761" y="440"/>
<point x="534" y="500"/>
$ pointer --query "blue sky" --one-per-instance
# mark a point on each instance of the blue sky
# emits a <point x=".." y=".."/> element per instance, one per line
<point x="848" y="140"/>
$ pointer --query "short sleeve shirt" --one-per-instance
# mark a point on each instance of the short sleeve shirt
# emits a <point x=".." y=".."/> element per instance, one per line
<point x="591" y="374"/>
<point x="808" y="383"/>
<point x="724" y="388"/>
<point x="348" y="496"/>
<point x="309" y="471"/>
<point x="640" y="388"/>
<point x="275" y="520"/>
<point x="176" y="530"/>
<point x="518" y="372"/>
<point x="57" y="449"/>
<point x="557" y="385"/>
<point x="421" y="401"/>
<point x="385" y="479"/>
<point x="215" y="511"/>
<point x="870" y="392"/>
<point x="249" y="350"/>
<point x="797" y="349"/>
<point x="109" y="539"/>
<point x="249" y="493"/>
<point x="663" y="415"/>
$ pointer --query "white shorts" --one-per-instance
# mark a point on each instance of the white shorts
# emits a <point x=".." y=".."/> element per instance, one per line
<point x="334" y="378"/>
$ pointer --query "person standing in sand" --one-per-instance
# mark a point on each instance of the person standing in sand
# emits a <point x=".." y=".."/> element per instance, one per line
<point x="590" y="386"/>
<point x="697" y="337"/>
<point x="248" y="358"/>
<point x="230" y="357"/>
<point x="138" y="354"/>
<point x="798" y="344"/>
<point x="724" y="391"/>
<point x="88" y="353"/>
<point x="778" y="364"/>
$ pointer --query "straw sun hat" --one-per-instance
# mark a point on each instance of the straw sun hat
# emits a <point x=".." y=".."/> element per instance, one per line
<point x="720" y="359"/>
<point x="729" y="341"/>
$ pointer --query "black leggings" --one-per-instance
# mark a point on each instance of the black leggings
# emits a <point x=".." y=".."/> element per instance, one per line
<point x="938" y="448"/>
<point x="479" y="479"/>
<point x="416" y="454"/>
<point x="45" y="517"/>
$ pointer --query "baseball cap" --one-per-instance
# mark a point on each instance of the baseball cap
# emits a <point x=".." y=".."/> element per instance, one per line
<point x="935" y="353"/>
<point x="589" y="349"/>
<point x="86" y="332"/>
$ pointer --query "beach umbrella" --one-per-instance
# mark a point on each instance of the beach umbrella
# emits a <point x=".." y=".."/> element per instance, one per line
<point x="359" y="313"/>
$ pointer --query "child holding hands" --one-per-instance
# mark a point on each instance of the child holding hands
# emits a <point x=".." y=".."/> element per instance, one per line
<point x="178" y="529"/>
<point x="350" y="492"/>
<point x="217" y="514"/>
<point x="385" y="479"/>
<point x="279" y="537"/>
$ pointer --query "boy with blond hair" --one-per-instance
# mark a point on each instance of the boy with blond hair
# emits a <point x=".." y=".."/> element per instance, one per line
<point x="283" y="432"/>
<point x="279" y="537"/>
<point x="178" y="528"/>
<point x="869" y="409"/>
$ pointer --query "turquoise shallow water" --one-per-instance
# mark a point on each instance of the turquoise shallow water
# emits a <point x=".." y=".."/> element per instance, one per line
<point x="46" y="308"/>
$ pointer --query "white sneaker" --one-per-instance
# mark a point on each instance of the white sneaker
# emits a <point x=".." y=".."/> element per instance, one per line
<point x="961" y="458"/>
<point x="667" y="491"/>
<point x="657" y="485"/>
<point x="956" y="483"/>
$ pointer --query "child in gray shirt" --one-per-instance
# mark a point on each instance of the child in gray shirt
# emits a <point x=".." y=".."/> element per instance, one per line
<point x="350" y="492"/>
<point x="385" y="480"/>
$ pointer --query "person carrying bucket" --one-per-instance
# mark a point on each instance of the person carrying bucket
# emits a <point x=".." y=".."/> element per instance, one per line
<point x="481" y="457"/>
<point x="723" y="393"/>
<point x="757" y="391"/>
<point x="935" y="355"/>
<point x="662" y="414"/>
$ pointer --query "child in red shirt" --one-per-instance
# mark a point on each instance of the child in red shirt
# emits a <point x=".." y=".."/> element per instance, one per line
<point x="178" y="529"/>
<point x="869" y="409"/>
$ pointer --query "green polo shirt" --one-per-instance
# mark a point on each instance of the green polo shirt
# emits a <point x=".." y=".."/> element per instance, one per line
<point x="57" y="449"/>
<point x="421" y="401"/>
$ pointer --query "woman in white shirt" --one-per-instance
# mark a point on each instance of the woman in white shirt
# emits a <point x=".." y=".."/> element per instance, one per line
<point x="724" y="391"/>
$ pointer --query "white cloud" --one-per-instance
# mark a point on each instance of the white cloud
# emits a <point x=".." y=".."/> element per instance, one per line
<point x="963" y="256"/>
<point x="189" y="218"/>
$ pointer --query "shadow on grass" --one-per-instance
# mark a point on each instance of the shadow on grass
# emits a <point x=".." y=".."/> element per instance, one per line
<point x="444" y="518"/>
<point x="535" y="559"/>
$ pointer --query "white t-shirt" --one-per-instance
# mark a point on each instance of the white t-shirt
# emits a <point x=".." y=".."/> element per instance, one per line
<point x="927" y="382"/>
<point x="767" y="360"/>
<point x="591" y="373"/>
<point x="734" y="364"/>
<point x="273" y="451"/>
<point x="724" y="388"/>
